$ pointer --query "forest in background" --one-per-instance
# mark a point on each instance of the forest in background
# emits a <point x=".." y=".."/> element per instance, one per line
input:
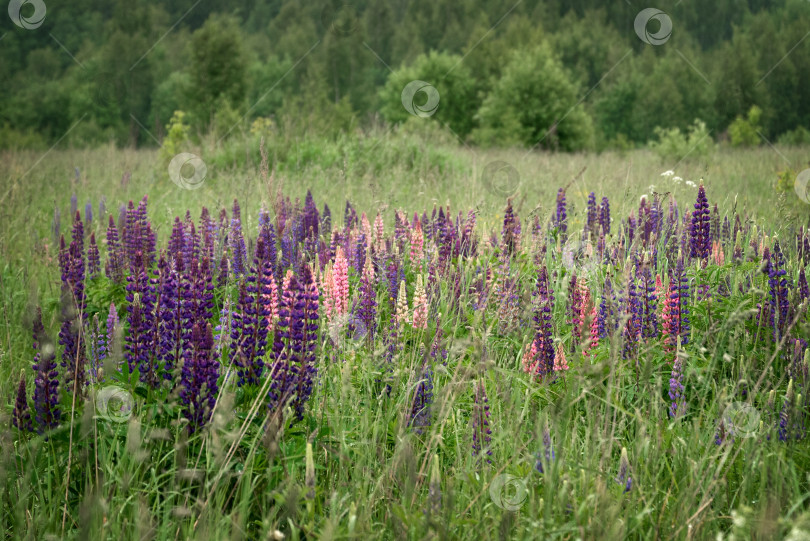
<point x="551" y="74"/>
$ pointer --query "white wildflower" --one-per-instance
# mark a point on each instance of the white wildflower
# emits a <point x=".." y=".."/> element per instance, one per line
<point x="667" y="173"/>
<point x="677" y="180"/>
<point x="691" y="184"/>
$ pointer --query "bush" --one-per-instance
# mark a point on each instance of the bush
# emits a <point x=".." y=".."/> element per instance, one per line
<point x="799" y="136"/>
<point x="456" y="89"/>
<point x="531" y="104"/>
<point x="674" y="144"/>
<point x="743" y="132"/>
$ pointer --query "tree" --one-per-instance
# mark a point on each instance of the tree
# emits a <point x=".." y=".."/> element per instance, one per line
<point x="534" y="102"/>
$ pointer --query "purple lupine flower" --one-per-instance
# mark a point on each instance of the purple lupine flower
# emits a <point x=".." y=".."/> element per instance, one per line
<point x="633" y="310"/>
<point x="560" y="217"/>
<point x="131" y="234"/>
<point x="482" y="434"/>
<point x="174" y="317"/>
<point x="604" y="215"/>
<point x="676" y="408"/>
<point x="623" y="478"/>
<point x="114" y="268"/>
<point x="294" y="345"/>
<point x="367" y="307"/>
<point x="46" y="383"/>
<point x="509" y="232"/>
<point x="112" y="328"/>
<point x="198" y="381"/>
<point x="102" y="207"/>
<point x="141" y="300"/>
<point x="779" y="288"/>
<point x="420" y="415"/>
<point x="804" y="291"/>
<point x="631" y="229"/>
<point x="543" y="339"/>
<point x="360" y="253"/>
<point x="95" y="348"/>
<point x="222" y="277"/>
<point x="237" y="242"/>
<point x="249" y="323"/>
<point x="93" y="264"/>
<point x="311" y="218"/>
<point x="649" y="312"/>
<point x="681" y="297"/>
<point x="88" y="213"/>
<point x="72" y="310"/>
<point x="546" y="454"/>
<point x="700" y="233"/>
<point x="326" y="221"/>
<point x="74" y="201"/>
<point x="21" y="417"/>
<point x="177" y="244"/>
<point x="590" y="222"/>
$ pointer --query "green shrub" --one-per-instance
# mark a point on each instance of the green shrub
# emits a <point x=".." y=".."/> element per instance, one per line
<point x="531" y="104"/>
<point x="743" y="132"/>
<point x="673" y="144"/>
<point x="799" y="136"/>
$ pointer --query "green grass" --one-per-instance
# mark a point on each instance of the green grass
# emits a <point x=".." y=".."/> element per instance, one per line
<point x="145" y="479"/>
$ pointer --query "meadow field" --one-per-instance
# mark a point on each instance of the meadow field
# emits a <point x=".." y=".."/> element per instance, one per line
<point x="523" y="364"/>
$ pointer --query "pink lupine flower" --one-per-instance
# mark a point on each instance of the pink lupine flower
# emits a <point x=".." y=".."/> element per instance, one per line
<point x="594" y="332"/>
<point x="584" y="301"/>
<point x="417" y="244"/>
<point x="365" y="225"/>
<point x="560" y="362"/>
<point x="530" y="359"/>
<point x="272" y="304"/>
<point x="379" y="233"/>
<point x="718" y="256"/>
<point x="420" y="307"/>
<point x="340" y="277"/>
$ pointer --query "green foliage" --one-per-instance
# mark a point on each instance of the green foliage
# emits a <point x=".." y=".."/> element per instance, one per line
<point x="534" y="102"/>
<point x="449" y="76"/>
<point x="785" y="180"/>
<point x="672" y="144"/>
<point x="799" y="136"/>
<point x="176" y="136"/>
<point x="743" y="132"/>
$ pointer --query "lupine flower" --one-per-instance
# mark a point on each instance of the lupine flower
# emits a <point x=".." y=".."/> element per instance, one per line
<point x="543" y="362"/>
<point x="510" y="232"/>
<point x="482" y="434"/>
<point x="198" y="381"/>
<point x="560" y="218"/>
<point x="114" y="268"/>
<point x="778" y="292"/>
<point x="420" y="305"/>
<point x="676" y="408"/>
<point x="402" y="314"/>
<point x="56" y="225"/>
<point x="420" y="415"/>
<point x="93" y="264"/>
<point x="623" y="478"/>
<point x="546" y="454"/>
<point x="804" y="291"/>
<point x="649" y="291"/>
<point x="604" y="215"/>
<point x="46" y="383"/>
<point x="417" y="243"/>
<point x="590" y="222"/>
<point x="560" y="362"/>
<point x="700" y="237"/>
<point x="237" y="242"/>
<point x="21" y="417"/>
<point x="88" y="213"/>
<point x="675" y="314"/>
<point x="340" y="277"/>
<point x="367" y="307"/>
<point x="249" y="327"/>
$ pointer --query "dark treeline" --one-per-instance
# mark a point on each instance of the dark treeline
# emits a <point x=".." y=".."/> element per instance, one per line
<point x="506" y="73"/>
